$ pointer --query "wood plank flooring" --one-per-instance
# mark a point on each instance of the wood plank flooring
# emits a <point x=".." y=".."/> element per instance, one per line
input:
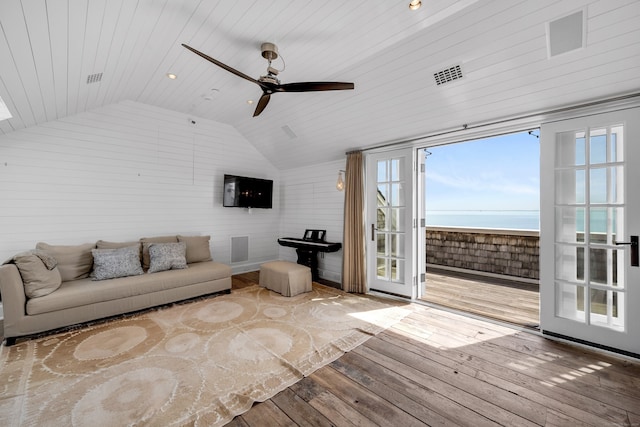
<point x="439" y="368"/>
<point x="502" y="299"/>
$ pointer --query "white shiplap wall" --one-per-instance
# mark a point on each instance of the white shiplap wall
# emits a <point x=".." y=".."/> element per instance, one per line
<point x="130" y="170"/>
<point x="309" y="199"/>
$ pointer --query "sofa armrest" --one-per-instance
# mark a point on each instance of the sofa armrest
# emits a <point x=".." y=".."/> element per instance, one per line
<point x="13" y="298"/>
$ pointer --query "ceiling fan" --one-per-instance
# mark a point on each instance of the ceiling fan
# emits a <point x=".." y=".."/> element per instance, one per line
<point x="270" y="83"/>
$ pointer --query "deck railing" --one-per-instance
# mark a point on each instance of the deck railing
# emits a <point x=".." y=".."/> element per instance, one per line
<point x="495" y="251"/>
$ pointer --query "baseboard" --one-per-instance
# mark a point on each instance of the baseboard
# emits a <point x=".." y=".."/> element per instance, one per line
<point x="247" y="267"/>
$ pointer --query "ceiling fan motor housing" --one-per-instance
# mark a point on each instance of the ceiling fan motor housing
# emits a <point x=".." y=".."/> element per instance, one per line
<point x="269" y="51"/>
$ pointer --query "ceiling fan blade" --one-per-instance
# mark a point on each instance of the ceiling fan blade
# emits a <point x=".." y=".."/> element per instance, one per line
<point x="314" y="86"/>
<point x="264" y="100"/>
<point x="221" y="65"/>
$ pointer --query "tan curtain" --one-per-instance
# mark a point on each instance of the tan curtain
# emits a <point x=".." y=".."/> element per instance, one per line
<point x="353" y="268"/>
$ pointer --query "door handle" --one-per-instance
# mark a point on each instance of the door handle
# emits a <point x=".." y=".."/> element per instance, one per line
<point x="373" y="232"/>
<point x="635" y="261"/>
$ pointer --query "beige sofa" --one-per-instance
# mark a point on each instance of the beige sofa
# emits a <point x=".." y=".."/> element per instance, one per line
<point x="55" y="286"/>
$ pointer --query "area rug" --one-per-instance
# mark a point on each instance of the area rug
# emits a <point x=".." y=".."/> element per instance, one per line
<point x="200" y="363"/>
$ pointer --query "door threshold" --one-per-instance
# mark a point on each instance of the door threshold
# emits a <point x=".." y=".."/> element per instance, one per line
<point x="378" y="291"/>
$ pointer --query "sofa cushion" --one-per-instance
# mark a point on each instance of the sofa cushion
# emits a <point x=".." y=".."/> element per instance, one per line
<point x="146" y="241"/>
<point x="74" y="262"/>
<point x="167" y="256"/>
<point x="38" y="279"/>
<point x="197" y="248"/>
<point x="85" y="292"/>
<point x="120" y="262"/>
<point x="104" y="244"/>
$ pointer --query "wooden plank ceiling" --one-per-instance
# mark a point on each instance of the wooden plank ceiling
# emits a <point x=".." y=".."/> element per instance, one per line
<point x="49" y="48"/>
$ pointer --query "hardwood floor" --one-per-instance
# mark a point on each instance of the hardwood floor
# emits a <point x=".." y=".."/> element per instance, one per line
<point x="440" y="368"/>
<point x="502" y="299"/>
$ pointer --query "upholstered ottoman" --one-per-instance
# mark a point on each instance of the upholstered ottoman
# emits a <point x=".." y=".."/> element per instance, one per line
<point x="286" y="278"/>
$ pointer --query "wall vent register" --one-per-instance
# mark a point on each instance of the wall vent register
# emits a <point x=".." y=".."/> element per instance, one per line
<point x="94" y="78"/>
<point x="448" y="75"/>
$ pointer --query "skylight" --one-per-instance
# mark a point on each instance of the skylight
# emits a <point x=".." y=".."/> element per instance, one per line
<point x="4" y="111"/>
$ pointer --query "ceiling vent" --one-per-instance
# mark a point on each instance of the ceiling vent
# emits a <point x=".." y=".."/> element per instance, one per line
<point x="94" y="78"/>
<point x="448" y="75"/>
<point x="566" y="34"/>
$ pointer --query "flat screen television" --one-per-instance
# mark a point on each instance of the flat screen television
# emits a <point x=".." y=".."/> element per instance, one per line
<point x="245" y="192"/>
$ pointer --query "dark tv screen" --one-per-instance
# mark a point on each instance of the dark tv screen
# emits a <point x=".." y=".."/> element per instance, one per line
<point x="245" y="192"/>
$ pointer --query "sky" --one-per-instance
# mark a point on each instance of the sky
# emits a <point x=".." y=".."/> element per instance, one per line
<point x="500" y="173"/>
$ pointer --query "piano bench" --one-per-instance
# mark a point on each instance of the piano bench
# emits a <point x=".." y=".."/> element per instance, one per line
<point x="287" y="278"/>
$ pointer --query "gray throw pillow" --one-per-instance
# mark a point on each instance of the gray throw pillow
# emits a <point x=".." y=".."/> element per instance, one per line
<point x="112" y="263"/>
<point x="167" y="256"/>
<point x="146" y="241"/>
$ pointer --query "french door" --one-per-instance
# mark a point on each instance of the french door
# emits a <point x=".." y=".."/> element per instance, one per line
<point x="590" y="222"/>
<point x="391" y="222"/>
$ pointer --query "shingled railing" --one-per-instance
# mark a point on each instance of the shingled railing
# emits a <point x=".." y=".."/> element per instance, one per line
<point x="495" y="251"/>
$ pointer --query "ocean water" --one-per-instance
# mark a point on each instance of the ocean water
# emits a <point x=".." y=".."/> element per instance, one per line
<point x="513" y="220"/>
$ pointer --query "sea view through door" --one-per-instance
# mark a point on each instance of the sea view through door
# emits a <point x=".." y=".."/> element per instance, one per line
<point x="482" y="222"/>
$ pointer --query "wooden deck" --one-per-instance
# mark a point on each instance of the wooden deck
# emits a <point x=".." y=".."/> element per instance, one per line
<point x="502" y="299"/>
<point x="439" y="368"/>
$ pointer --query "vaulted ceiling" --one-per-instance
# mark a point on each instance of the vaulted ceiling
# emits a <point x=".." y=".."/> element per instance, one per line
<point x="49" y="48"/>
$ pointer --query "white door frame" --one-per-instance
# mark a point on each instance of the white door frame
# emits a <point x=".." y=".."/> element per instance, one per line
<point x="566" y="284"/>
<point x="391" y="222"/>
<point x="516" y="124"/>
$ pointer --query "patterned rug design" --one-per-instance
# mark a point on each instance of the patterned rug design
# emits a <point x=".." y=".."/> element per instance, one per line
<point x="199" y="363"/>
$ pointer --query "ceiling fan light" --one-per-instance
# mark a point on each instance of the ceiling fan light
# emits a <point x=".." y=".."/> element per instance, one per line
<point x="415" y="4"/>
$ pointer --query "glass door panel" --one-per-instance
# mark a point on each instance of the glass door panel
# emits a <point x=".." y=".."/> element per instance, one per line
<point x="390" y="176"/>
<point x="585" y="271"/>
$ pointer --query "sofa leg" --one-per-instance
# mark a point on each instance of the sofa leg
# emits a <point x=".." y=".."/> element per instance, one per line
<point x="8" y="342"/>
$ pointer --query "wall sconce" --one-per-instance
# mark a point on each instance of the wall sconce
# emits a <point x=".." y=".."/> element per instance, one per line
<point x="340" y="183"/>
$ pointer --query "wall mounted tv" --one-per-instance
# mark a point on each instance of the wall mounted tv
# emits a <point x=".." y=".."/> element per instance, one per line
<point x="245" y="192"/>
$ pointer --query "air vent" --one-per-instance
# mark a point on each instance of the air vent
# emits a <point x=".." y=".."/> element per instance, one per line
<point x="448" y="75"/>
<point x="94" y="78"/>
<point x="240" y="249"/>
<point x="566" y="34"/>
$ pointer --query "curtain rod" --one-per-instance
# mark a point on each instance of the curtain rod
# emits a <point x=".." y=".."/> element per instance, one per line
<point x="502" y="121"/>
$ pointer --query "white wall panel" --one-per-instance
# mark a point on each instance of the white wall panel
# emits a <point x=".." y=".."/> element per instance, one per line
<point x="309" y="199"/>
<point x="126" y="171"/>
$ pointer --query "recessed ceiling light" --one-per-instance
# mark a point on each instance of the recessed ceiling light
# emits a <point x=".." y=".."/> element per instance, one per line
<point x="415" y="4"/>
<point x="250" y="101"/>
<point x="172" y="76"/>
